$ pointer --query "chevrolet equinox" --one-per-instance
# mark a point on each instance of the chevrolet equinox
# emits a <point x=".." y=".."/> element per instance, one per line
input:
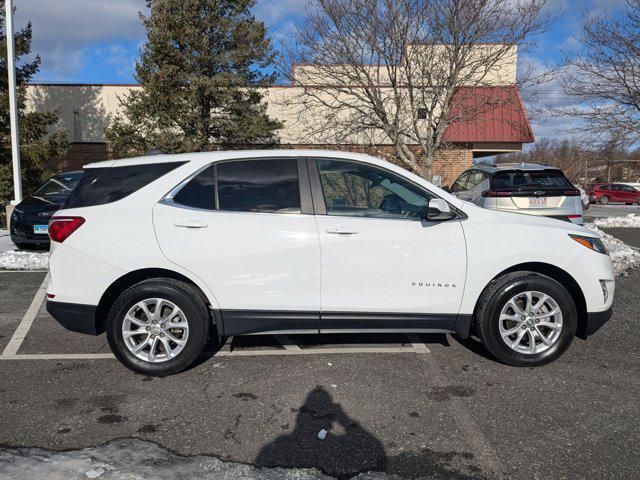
<point x="158" y="251"/>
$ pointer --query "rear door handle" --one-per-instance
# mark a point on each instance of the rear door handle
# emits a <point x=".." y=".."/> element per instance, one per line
<point x="341" y="231"/>
<point x="191" y="224"/>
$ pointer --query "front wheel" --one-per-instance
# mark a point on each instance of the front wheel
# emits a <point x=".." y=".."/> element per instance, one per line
<point x="526" y="319"/>
<point x="158" y="327"/>
<point x="603" y="200"/>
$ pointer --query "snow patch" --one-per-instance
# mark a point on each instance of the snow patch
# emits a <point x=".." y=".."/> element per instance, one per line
<point x="136" y="459"/>
<point x="21" y="260"/>
<point x="622" y="255"/>
<point x="628" y="221"/>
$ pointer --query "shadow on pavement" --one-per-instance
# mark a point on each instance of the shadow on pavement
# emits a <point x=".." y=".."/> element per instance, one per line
<point x="349" y="449"/>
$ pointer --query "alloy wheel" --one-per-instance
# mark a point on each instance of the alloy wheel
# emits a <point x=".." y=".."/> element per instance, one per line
<point x="530" y="322"/>
<point x="155" y="330"/>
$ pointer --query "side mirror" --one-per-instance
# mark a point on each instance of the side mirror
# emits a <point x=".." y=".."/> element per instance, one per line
<point x="447" y="188"/>
<point x="439" y="210"/>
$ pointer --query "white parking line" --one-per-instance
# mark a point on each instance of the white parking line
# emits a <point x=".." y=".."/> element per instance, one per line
<point x="58" y="356"/>
<point x="290" y="348"/>
<point x="23" y="271"/>
<point x="286" y="342"/>
<point x="417" y="343"/>
<point x="21" y="332"/>
<point x="222" y="353"/>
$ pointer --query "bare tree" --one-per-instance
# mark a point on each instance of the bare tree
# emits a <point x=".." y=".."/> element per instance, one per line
<point x="603" y="77"/>
<point x="398" y="72"/>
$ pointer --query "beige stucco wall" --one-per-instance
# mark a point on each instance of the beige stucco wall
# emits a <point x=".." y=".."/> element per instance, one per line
<point x="85" y="110"/>
<point x="488" y="65"/>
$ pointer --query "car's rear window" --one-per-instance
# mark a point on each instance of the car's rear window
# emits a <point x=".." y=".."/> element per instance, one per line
<point x="59" y="186"/>
<point x="105" y="185"/>
<point x="523" y="180"/>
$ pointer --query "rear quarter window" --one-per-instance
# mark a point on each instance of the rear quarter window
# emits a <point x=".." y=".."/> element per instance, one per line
<point x="100" y="186"/>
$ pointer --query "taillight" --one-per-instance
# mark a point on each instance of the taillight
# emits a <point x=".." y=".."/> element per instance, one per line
<point x="60" y="228"/>
<point x="572" y="192"/>
<point x="494" y="193"/>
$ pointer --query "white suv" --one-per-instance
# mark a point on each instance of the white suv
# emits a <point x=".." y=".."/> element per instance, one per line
<point x="158" y="251"/>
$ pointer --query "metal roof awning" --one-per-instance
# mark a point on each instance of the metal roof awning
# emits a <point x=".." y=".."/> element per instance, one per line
<point x="488" y="114"/>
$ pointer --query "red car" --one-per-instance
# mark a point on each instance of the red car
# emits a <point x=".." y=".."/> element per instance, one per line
<point x="614" y="192"/>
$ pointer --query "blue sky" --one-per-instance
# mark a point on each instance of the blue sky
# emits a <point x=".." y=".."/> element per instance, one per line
<point x="97" y="41"/>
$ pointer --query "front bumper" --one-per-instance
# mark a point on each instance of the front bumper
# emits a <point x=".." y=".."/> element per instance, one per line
<point x="75" y="316"/>
<point x="594" y="321"/>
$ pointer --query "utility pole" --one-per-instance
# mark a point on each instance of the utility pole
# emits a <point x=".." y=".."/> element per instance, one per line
<point x="13" y="104"/>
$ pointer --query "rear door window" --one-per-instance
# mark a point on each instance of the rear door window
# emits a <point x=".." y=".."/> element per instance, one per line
<point x="269" y="185"/>
<point x="100" y="186"/>
<point x="199" y="192"/>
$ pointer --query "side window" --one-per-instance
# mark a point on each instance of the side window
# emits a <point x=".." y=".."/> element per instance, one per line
<point x="269" y="185"/>
<point x="460" y="183"/>
<point x="475" y="179"/>
<point x="359" y="190"/>
<point x="199" y="192"/>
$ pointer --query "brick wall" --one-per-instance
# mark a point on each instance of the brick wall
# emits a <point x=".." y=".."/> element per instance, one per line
<point x="79" y="154"/>
<point x="449" y="164"/>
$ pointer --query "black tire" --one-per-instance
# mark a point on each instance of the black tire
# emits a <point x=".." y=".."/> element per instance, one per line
<point x="603" y="200"/>
<point x="499" y="292"/>
<point x="187" y="298"/>
<point x="638" y="202"/>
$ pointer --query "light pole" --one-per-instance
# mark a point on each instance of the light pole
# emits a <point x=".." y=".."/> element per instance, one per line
<point x="13" y="105"/>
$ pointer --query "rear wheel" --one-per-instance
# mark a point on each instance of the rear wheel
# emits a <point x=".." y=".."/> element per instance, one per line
<point x="638" y="201"/>
<point x="603" y="200"/>
<point x="158" y="327"/>
<point x="526" y="319"/>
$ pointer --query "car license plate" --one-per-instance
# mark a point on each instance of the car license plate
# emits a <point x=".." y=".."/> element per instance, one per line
<point x="41" y="229"/>
<point x="537" y="202"/>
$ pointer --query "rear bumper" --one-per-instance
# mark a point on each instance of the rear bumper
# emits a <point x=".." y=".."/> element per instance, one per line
<point x="595" y="320"/>
<point x="30" y="240"/>
<point x="74" y="316"/>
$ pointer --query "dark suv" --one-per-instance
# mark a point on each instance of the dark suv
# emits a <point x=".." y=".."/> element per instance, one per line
<point x="29" y="223"/>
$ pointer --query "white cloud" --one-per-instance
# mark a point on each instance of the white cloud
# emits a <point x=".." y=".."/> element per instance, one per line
<point x="64" y="30"/>
<point x="272" y="12"/>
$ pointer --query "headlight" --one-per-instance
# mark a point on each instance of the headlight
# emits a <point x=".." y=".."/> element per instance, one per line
<point x="591" y="243"/>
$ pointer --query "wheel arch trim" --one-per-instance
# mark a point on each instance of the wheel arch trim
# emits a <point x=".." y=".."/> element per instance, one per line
<point x="561" y="276"/>
<point x="136" y="276"/>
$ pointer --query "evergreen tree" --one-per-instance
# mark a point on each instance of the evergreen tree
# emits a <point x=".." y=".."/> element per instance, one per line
<point x="36" y="145"/>
<point x="200" y="71"/>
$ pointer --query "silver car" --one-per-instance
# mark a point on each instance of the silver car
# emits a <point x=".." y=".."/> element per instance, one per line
<point x="521" y="188"/>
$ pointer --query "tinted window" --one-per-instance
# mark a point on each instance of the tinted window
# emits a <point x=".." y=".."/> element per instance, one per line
<point x="105" y="185"/>
<point x="259" y="186"/>
<point x="360" y="190"/>
<point x="460" y="183"/>
<point x="60" y="185"/>
<point x="522" y="180"/>
<point x="475" y="179"/>
<point x="199" y="192"/>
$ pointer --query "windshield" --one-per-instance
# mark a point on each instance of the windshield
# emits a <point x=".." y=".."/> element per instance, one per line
<point x="524" y="180"/>
<point x="60" y="185"/>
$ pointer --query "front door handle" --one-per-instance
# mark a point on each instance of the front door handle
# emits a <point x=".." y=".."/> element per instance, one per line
<point x="341" y="231"/>
<point x="191" y="224"/>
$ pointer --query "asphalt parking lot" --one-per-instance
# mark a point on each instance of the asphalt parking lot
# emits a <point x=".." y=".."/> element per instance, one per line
<point x="423" y="406"/>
